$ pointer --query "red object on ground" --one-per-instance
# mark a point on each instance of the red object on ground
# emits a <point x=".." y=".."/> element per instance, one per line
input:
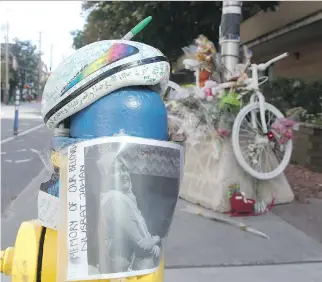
<point x="238" y="205"/>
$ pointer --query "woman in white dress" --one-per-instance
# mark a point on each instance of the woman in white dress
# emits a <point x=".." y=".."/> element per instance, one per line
<point x="128" y="244"/>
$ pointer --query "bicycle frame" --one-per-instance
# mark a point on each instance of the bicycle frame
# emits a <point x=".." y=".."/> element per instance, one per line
<point x="253" y="85"/>
<point x="261" y="99"/>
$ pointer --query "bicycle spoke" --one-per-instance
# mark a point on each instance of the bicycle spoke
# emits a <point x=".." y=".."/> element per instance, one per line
<point x="247" y="136"/>
<point x="264" y="160"/>
<point x="270" y="117"/>
<point x="278" y="153"/>
<point x="260" y="124"/>
<point x="260" y="159"/>
<point x="244" y="141"/>
<point x="251" y="127"/>
<point x="244" y="153"/>
<point x="268" y="159"/>
<point x="255" y="163"/>
<point x="268" y="155"/>
<point x="246" y="130"/>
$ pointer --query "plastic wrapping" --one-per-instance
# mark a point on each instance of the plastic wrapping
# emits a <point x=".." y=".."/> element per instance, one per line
<point x="30" y="205"/>
<point x="48" y="196"/>
<point x="203" y="123"/>
<point x="118" y="196"/>
<point x="200" y="117"/>
<point x="175" y="92"/>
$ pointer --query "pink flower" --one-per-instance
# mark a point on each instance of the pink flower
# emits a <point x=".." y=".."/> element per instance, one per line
<point x="283" y="127"/>
<point x="207" y="92"/>
<point x="223" y="132"/>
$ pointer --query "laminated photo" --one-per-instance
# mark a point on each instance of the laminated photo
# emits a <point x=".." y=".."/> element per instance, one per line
<point x="122" y="193"/>
<point x="48" y="201"/>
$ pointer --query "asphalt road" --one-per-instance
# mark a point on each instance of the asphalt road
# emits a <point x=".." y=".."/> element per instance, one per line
<point x="21" y="157"/>
<point x="24" y="124"/>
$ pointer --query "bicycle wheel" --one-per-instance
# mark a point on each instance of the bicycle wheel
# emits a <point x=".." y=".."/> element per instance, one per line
<point x="257" y="153"/>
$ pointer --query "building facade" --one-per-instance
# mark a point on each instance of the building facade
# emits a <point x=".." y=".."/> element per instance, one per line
<point x="296" y="27"/>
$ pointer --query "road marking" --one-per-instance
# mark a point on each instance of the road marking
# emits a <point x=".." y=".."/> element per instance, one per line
<point x="3" y="153"/>
<point x="34" y="151"/>
<point x="22" y="133"/>
<point x="18" y="161"/>
<point x="21" y="150"/>
<point x="22" y="161"/>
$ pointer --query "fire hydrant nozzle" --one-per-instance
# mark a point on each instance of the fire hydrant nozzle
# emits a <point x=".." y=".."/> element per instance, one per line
<point x="6" y="259"/>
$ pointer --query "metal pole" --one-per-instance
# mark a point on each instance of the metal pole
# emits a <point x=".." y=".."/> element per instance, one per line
<point x="51" y="58"/>
<point x="2" y="98"/>
<point x="16" y="120"/>
<point x="229" y="36"/>
<point x="6" y="90"/>
<point x="39" y="67"/>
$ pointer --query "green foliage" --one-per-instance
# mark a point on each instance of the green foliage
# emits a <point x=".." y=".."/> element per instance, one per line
<point x="175" y="24"/>
<point x="287" y="94"/>
<point x="230" y="101"/>
<point x="28" y="60"/>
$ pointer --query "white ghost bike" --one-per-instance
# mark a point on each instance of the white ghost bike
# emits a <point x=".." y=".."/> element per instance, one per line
<point x="255" y="145"/>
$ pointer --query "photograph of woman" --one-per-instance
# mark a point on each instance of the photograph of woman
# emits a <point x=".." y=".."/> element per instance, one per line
<point x="130" y="197"/>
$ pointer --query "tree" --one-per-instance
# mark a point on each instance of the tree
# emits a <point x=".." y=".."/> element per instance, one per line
<point x="28" y="65"/>
<point x="175" y="24"/>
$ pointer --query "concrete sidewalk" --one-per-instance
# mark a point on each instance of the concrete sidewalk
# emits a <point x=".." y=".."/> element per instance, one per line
<point x="198" y="242"/>
<point x="202" y="250"/>
<point x="311" y="272"/>
<point x="26" y="111"/>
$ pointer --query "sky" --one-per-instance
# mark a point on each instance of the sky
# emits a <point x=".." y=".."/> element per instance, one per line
<point x="55" y="19"/>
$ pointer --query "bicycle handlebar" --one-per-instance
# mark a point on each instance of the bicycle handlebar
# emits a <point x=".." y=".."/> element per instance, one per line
<point x="194" y="64"/>
<point x="264" y="66"/>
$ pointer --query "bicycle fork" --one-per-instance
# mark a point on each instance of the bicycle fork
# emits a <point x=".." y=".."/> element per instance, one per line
<point x="261" y="100"/>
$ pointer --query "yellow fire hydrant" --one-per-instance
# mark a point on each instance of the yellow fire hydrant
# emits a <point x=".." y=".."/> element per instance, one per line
<point x="34" y="256"/>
